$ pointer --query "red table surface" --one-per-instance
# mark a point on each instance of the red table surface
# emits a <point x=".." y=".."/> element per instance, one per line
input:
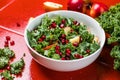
<point x="16" y="15"/>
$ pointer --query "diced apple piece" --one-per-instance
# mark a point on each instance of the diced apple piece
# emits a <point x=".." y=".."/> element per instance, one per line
<point x="75" y="39"/>
<point x="51" y="6"/>
<point x="96" y="39"/>
<point x="66" y="30"/>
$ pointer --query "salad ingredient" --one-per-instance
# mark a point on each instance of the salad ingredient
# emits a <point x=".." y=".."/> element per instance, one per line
<point x="111" y="24"/>
<point x="12" y="43"/>
<point x="8" y="38"/>
<point x="53" y="41"/>
<point x="75" y="39"/>
<point x="75" y="5"/>
<point x="97" y="9"/>
<point x="115" y="53"/>
<point x="6" y="75"/>
<point x="8" y="69"/>
<point x="5" y="55"/>
<point x="110" y="21"/>
<point x="17" y="67"/>
<point x="51" y="6"/>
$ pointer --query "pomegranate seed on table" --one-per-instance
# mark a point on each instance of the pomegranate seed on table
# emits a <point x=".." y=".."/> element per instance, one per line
<point x="6" y="42"/>
<point x="6" y="45"/>
<point x="8" y="38"/>
<point x="12" y="43"/>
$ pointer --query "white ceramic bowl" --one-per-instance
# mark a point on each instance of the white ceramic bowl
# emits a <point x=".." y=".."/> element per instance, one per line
<point x="67" y="65"/>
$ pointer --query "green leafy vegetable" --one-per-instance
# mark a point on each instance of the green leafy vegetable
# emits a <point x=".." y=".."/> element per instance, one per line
<point x="17" y="67"/>
<point x="110" y="21"/>
<point x="57" y="30"/>
<point x="3" y="62"/>
<point x="6" y="75"/>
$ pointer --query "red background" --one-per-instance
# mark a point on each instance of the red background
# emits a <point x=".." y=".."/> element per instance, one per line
<point x="16" y="15"/>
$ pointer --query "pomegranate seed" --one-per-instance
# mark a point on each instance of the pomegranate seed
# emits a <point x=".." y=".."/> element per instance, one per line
<point x="68" y="54"/>
<point x="53" y="25"/>
<point x="66" y="41"/>
<point x="68" y="51"/>
<point x="40" y="40"/>
<point x="74" y="22"/>
<point x="57" y="51"/>
<point x="18" y="25"/>
<point x="88" y="51"/>
<point x="75" y="44"/>
<point x="7" y="38"/>
<point x="43" y="37"/>
<point x="63" y="36"/>
<point x="78" y="56"/>
<point x="6" y="42"/>
<point x="57" y="47"/>
<point x="12" y="43"/>
<point x="61" y="25"/>
<point x="63" y="21"/>
<point x="63" y="58"/>
<point x="60" y="53"/>
<point x="3" y="78"/>
<point x="8" y="67"/>
<point x="6" y="45"/>
<point x="63" y="41"/>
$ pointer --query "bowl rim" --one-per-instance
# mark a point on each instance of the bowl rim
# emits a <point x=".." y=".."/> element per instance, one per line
<point x="64" y="61"/>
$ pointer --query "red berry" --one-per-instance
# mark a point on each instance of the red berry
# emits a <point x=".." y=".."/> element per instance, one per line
<point x="8" y="38"/>
<point x="75" y="44"/>
<point x="12" y="43"/>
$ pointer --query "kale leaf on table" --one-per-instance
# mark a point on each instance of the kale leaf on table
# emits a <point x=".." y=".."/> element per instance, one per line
<point x="110" y="22"/>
